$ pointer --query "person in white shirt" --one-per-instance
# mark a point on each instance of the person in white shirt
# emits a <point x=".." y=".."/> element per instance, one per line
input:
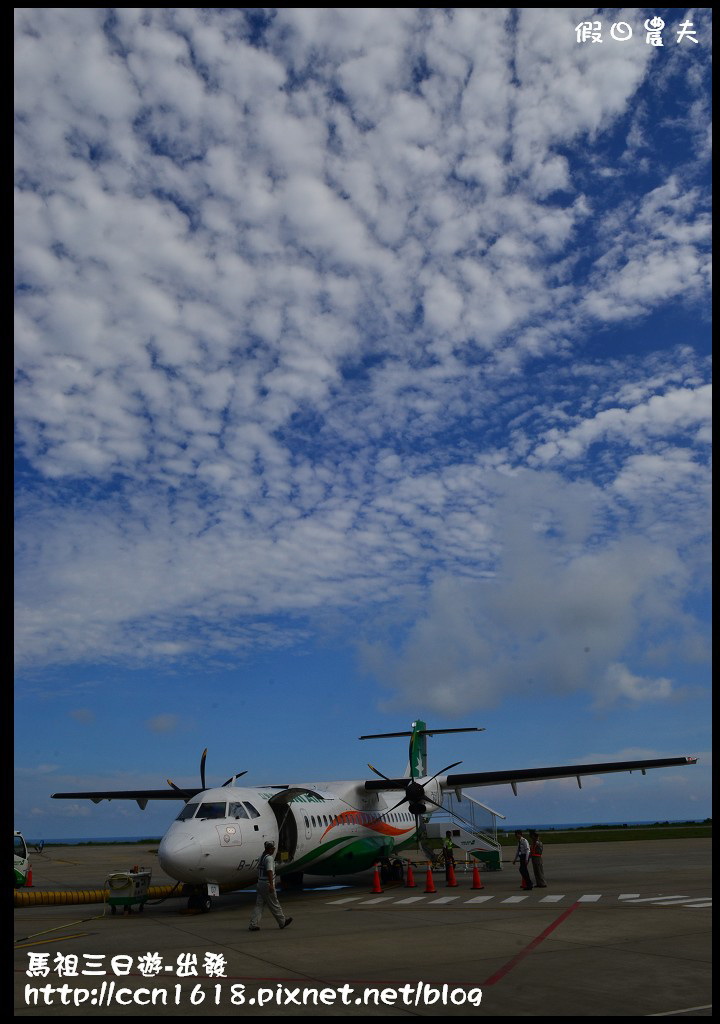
<point x="523" y="855"/>
<point x="266" y="894"/>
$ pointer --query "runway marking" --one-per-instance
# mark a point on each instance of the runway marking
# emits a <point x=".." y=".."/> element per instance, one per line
<point x="660" y="896"/>
<point x="675" y="1013"/>
<point x="499" y="975"/>
<point x="671" y="901"/>
<point x="58" y="938"/>
<point x="627" y="899"/>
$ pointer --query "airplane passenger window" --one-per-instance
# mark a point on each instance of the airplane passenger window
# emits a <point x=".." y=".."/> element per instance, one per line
<point x="187" y="812"/>
<point x="236" y="810"/>
<point x="212" y="810"/>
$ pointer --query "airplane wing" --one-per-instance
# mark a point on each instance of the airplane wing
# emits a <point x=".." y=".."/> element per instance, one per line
<point x="141" y="795"/>
<point x="471" y="779"/>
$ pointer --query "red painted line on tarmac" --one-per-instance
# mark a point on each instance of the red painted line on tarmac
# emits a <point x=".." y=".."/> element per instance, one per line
<point x="499" y="975"/>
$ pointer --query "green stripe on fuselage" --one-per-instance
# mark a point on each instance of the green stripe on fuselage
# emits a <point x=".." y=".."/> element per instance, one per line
<point x="345" y="854"/>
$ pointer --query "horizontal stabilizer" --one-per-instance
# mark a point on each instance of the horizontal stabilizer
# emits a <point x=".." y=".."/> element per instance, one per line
<point x="416" y="732"/>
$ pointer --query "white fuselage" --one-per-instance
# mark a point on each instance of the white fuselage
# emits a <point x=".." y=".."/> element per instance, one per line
<point x="325" y="828"/>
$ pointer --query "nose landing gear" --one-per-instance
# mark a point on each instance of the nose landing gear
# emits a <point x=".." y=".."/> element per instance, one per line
<point x="198" y="899"/>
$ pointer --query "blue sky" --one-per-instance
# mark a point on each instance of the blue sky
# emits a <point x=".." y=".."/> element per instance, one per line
<point x="362" y="374"/>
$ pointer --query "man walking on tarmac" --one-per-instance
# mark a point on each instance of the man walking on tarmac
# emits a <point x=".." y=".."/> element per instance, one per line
<point x="266" y="894"/>
<point x="523" y="855"/>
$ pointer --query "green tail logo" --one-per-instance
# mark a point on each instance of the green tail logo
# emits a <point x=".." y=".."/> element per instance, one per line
<point x="417" y="763"/>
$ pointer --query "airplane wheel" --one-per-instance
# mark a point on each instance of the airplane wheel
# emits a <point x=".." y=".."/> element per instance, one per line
<point x="201" y="903"/>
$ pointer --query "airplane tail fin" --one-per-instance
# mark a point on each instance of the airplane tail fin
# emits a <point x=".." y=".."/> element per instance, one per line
<point x="417" y="757"/>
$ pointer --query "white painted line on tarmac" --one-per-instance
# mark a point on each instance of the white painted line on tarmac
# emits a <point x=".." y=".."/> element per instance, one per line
<point x="679" y="899"/>
<point x="629" y="896"/>
<point x="660" y="896"/>
<point x="515" y="899"/>
<point x="378" y="899"/>
<point x="590" y="899"/>
<point x="411" y="899"/>
<point x="443" y="899"/>
<point x="552" y="899"/>
<point x="675" y="1013"/>
<point x="479" y="899"/>
<point x="346" y="899"/>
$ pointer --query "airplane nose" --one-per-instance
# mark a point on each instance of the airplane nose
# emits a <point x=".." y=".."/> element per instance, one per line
<point x="179" y="853"/>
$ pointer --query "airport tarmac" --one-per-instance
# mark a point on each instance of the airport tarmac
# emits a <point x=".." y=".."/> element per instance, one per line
<point x="623" y="929"/>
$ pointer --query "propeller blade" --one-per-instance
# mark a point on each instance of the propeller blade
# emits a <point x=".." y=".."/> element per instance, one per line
<point x="431" y="801"/>
<point x="372" y="769"/>
<point x="202" y="768"/>
<point x="403" y="801"/>
<point x="443" y="770"/>
<point x="185" y="796"/>
<point x="239" y="774"/>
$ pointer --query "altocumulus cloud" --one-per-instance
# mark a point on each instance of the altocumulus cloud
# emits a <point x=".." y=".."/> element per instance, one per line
<point x="357" y="309"/>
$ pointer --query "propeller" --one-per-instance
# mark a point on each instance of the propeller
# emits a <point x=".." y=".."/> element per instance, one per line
<point x="233" y="777"/>
<point x="415" y="796"/>
<point x="203" y="758"/>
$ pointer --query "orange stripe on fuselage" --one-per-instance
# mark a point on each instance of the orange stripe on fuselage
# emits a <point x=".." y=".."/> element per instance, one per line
<point x="376" y="825"/>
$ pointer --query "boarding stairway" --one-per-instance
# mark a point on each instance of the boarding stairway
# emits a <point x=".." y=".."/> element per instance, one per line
<point x="466" y="836"/>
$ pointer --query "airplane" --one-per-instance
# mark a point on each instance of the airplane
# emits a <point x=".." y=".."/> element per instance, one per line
<point x="327" y="828"/>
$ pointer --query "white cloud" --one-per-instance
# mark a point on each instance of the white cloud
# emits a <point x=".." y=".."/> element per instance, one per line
<point x="620" y="684"/>
<point x="283" y="277"/>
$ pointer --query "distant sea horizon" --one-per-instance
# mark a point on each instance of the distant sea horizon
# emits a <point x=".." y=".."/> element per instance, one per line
<point x="556" y="826"/>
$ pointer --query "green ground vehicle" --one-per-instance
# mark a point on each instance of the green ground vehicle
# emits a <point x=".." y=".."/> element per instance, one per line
<point x="22" y="864"/>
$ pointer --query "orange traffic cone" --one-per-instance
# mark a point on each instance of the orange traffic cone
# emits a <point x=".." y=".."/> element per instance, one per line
<point x="477" y="881"/>
<point x="28" y="877"/>
<point x="376" y="880"/>
<point x="410" y="882"/>
<point x="451" y="879"/>
<point x="429" y="883"/>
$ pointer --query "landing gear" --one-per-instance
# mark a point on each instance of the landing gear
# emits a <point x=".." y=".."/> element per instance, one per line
<point x="201" y="902"/>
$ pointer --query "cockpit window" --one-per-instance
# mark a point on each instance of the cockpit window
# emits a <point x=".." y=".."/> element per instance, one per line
<point x="212" y="810"/>
<point x="237" y="810"/>
<point x="19" y="847"/>
<point x="251" y="810"/>
<point x="188" y="811"/>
